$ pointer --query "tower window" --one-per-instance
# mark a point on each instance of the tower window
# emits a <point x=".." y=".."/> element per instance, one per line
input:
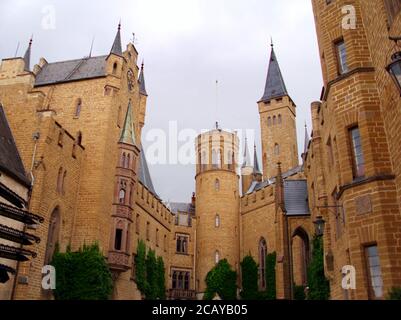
<point x="279" y="119"/>
<point x="217" y="221"/>
<point x="274" y="120"/>
<point x="216" y="257"/>
<point x="341" y="52"/>
<point x="357" y="153"/>
<point x="216" y="159"/>
<point x="276" y="149"/>
<point x="217" y="185"/>
<point x="115" y="68"/>
<point x="121" y="196"/>
<point x="269" y="121"/>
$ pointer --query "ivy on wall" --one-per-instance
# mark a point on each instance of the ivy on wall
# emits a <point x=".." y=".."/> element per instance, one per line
<point x="271" y="276"/>
<point x="221" y="280"/>
<point x="82" y="275"/>
<point x="150" y="273"/>
<point x="249" y="271"/>
<point x="319" y="286"/>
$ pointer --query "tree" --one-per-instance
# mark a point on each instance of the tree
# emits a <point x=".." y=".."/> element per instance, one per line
<point x="221" y="280"/>
<point x="249" y="271"/>
<point x="319" y="286"/>
<point x="82" y="275"/>
<point x="271" y="276"/>
<point x="140" y="267"/>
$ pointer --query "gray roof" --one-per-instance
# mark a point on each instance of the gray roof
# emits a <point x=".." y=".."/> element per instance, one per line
<point x="247" y="158"/>
<point x="296" y="197"/>
<point x="116" y="48"/>
<point x="128" y="132"/>
<point x="64" y="71"/>
<point x="10" y="160"/>
<point x="256" y="186"/>
<point x="144" y="174"/>
<point x="256" y="169"/>
<point x="176" y="207"/>
<point x="275" y="86"/>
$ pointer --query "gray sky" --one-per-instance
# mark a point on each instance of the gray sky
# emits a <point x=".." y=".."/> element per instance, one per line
<point x="187" y="45"/>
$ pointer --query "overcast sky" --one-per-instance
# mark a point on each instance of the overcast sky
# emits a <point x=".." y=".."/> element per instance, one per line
<point x="187" y="45"/>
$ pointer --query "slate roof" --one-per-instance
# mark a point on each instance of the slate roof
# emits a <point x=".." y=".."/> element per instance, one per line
<point x="141" y="81"/>
<point x="247" y="158"/>
<point x="296" y="197"/>
<point x="275" y="86"/>
<point x="256" y="186"/>
<point x="10" y="160"/>
<point x="144" y="174"/>
<point x="116" y="48"/>
<point x="65" y="71"/>
<point x="27" y="57"/>
<point x="128" y="133"/>
<point x="176" y="207"/>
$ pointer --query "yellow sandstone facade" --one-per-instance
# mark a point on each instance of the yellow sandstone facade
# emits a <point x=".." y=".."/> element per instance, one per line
<point x="91" y="181"/>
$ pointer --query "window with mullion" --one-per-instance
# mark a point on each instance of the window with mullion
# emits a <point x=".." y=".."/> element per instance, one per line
<point x="341" y="52"/>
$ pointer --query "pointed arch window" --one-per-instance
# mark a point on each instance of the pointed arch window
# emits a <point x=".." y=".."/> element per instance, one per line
<point x="115" y="65"/>
<point x="78" y="108"/>
<point x="279" y="119"/>
<point x="204" y="161"/>
<point x="52" y="235"/>
<point x="217" y="221"/>
<point x="262" y="263"/>
<point x="269" y="121"/>
<point x="216" y="158"/>
<point x="217" y="185"/>
<point x="274" y="120"/>
<point x="216" y="257"/>
<point x="276" y="149"/>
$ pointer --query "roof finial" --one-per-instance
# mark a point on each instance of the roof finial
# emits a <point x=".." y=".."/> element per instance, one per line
<point x="142" y="64"/>
<point x="119" y="25"/>
<point x="30" y="40"/>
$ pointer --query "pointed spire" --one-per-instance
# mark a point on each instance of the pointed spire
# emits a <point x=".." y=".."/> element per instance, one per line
<point x="247" y="158"/>
<point x="256" y="169"/>
<point x="306" y="143"/>
<point x="116" y="48"/>
<point x="27" y="57"/>
<point x="128" y="132"/>
<point x="275" y="86"/>
<point x="141" y="80"/>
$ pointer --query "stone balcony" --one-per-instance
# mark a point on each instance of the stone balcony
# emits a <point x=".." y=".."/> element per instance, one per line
<point x="118" y="261"/>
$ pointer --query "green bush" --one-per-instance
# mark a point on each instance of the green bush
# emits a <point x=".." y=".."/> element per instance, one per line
<point x="82" y="275"/>
<point x="221" y="280"/>
<point x="299" y="292"/>
<point x="151" y="276"/>
<point x="271" y="276"/>
<point x="249" y="271"/>
<point x="394" y="294"/>
<point x="140" y="267"/>
<point x="319" y="286"/>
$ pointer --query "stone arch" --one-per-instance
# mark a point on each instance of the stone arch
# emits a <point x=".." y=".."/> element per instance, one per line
<point x="300" y="252"/>
<point x="53" y="234"/>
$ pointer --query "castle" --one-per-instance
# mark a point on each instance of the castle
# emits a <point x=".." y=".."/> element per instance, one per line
<point x="82" y="122"/>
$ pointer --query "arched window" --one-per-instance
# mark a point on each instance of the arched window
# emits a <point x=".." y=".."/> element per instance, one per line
<point x="121" y="196"/>
<point x="52" y="235"/>
<point x="217" y="221"/>
<point x="262" y="263"/>
<point x="274" y="120"/>
<point x="204" y="161"/>
<point x="276" y="149"/>
<point x="115" y="68"/>
<point x="216" y="159"/>
<point x="217" y="185"/>
<point x="128" y="164"/>
<point x="62" y="190"/>
<point x="59" y="180"/>
<point x="279" y="119"/>
<point x="78" y="108"/>
<point x="216" y="257"/>
<point x="269" y="121"/>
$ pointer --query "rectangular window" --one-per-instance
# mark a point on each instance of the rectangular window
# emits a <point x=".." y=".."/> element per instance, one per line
<point x="393" y="7"/>
<point x="341" y="52"/>
<point x="182" y="244"/>
<point x="357" y="153"/>
<point x="118" y="239"/>
<point x="181" y="280"/>
<point x="375" y="281"/>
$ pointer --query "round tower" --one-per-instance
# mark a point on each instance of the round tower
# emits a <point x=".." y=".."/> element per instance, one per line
<point x="217" y="203"/>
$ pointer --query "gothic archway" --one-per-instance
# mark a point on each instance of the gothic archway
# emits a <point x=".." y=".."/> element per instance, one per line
<point x="262" y="263"/>
<point x="53" y="234"/>
<point x="300" y="250"/>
